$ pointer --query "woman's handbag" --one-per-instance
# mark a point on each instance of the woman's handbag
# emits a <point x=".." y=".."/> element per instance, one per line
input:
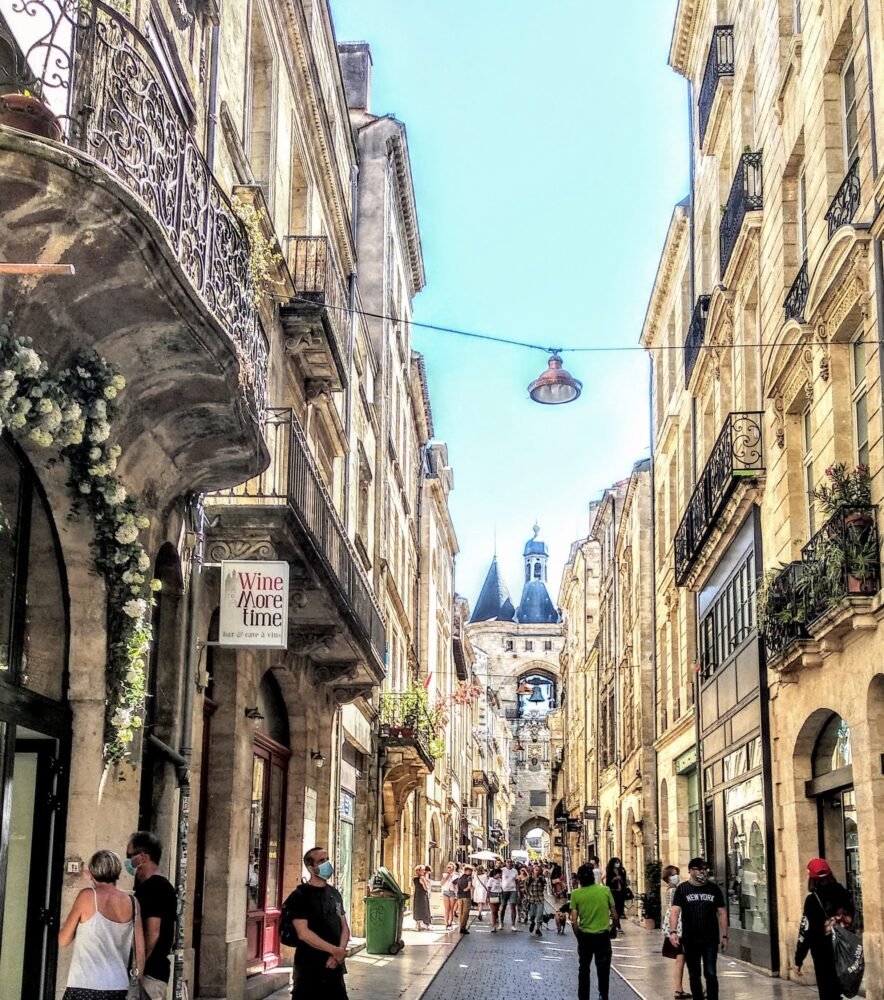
<point x="669" y="949"/>
<point x="494" y="898"/>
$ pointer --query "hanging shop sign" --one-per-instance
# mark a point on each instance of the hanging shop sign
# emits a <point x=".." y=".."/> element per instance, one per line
<point x="254" y="604"/>
<point x="590" y="812"/>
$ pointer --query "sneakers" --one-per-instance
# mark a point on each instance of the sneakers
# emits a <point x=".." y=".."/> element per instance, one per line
<point x="463" y="930"/>
<point x="537" y="933"/>
<point x="494" y="928"/>
<point x="514" y="928"/>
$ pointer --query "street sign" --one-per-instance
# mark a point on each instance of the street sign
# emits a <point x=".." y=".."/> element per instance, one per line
<point x="590" y="812"/>
<point x="574" y="825"/>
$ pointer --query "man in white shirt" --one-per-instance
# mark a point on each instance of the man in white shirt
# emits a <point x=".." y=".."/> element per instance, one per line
<point x="509" y="894"/>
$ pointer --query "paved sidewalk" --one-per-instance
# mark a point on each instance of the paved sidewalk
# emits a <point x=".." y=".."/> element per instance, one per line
<point x="637" y="958"/>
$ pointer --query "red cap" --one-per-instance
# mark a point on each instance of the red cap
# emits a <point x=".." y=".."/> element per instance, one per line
<point x="818" y="867"/>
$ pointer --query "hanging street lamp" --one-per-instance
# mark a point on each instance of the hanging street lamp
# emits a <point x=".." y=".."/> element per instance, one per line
<point x="555" y="385"/>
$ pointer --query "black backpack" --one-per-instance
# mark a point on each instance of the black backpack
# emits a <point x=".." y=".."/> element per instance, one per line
<point x="287" y="933"/>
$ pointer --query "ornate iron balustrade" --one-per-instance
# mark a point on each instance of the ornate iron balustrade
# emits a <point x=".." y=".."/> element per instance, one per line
<point x="293" y="478"/>
<point x="796" y="300"/>
<point x="746" y="195"/>
<point x="101" y="76"/>
<point x="738" y="453"/>
<point x="316" y="277"/>
<point x="404" y="716"/>
<point x="846" y="202"/>
<point x="783" y="618"/>
<point x="696" y="336"/>
<point x="843" y="559"/>
<point x="719" y="63"/>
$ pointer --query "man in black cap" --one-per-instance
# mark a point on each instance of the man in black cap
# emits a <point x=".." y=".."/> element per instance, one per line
<point x="700" y="905"/>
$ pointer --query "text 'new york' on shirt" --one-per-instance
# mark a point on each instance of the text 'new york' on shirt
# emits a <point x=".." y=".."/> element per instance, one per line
<point x="699" y="911"/>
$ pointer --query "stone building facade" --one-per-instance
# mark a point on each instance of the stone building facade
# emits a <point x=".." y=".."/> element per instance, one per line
<point x="521" y="646"/>
<point x="265" y="417"/>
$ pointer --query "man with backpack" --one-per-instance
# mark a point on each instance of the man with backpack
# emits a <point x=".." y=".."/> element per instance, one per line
<point x="313" y="919"/>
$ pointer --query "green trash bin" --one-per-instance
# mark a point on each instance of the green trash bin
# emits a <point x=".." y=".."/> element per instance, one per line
<point x="384" y="910"/>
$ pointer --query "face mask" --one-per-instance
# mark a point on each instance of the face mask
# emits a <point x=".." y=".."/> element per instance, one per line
<point x="701" y="877"/>
<point x="325" y="870"/>
<point x="130" y="868"/>
<point x="673" y="880"/>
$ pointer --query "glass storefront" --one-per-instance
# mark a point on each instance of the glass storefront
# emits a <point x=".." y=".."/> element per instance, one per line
<point x="747" y="887"/>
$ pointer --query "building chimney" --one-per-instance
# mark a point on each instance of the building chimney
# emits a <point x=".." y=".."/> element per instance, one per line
<point x="356" y="70"/>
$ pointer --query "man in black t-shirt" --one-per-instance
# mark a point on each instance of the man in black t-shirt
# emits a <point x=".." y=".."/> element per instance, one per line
<point x="320" y="922"/>
<point x="158" y="903"/>
<point x="464" y="898"/>
<point x="700" y="905"/>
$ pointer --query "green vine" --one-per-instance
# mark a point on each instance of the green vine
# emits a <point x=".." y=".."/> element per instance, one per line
<point x="263" y="258"/>
<point x="74" y="412"/>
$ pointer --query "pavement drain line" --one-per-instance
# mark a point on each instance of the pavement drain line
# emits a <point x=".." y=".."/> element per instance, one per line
<point x="415" y="994"/>
<point x="640" y="996"/>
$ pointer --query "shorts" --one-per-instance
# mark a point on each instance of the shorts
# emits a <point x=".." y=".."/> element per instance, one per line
<point x="510" y="898"/>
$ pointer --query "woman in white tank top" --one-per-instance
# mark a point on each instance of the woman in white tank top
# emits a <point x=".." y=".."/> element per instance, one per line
<point x="103" y="927"/>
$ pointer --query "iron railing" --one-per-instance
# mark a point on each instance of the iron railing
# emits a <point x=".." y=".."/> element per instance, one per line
<point x="846" y="201"/>
<point x="719" y="63"/>
<point x="738" y="453"/>
<point x="317" y="279"/>
<point x="294" y="478"/>
<point x="796" y="300"/>
<point x="696" y="336"/>
<point x="783" y="617"/>
<point x="404" y="716"/>
<point x="106" y="84"/>
<point x="746" y="195"/>
<point x="842" y="559"/>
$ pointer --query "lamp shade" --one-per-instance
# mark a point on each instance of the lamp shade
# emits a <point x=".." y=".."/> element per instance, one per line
<point x="555" y="385"/>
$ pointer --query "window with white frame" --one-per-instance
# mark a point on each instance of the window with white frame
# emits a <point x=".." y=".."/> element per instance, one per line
<point x="848" y="96"/>
<point x="802" y="214"/>
<point x="807" y="462"/>
<point x="859" y="399"/>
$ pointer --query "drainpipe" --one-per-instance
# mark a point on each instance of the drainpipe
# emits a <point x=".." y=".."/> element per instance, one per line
<point x="655" y="802"/>
<point x="691" y="189"/>
<point x="197" y="518"/>
<point x="212" y="118"/>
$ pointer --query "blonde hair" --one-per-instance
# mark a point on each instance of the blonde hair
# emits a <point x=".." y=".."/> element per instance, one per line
<point x="105" y="866"/>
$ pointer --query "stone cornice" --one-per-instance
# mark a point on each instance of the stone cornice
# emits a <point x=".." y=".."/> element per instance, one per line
<point x="678" y="226"/>
<point x="682" y="34"/>
<point x="398" y="147"/>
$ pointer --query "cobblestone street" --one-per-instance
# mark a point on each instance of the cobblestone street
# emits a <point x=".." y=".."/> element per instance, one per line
<point x="518" y="966"/>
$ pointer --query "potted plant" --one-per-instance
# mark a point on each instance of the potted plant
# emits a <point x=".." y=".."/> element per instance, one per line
<point x="845" y="490"/>
<point x="25" y="111"/>
<point x="780" y="609"/>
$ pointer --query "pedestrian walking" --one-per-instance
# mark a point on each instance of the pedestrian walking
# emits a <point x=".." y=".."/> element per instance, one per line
<point x="522" y="889"/>
<point x="320" y="923"/>
<point x="671" y="879"/>
<point x="158" y="903"/>
<point x="465" y="898"/>
<point x="495" y="895"/>
<point x="106" y="932"/>
<point x="448" y="886"/>
<point x="616" y="880"/>
<point x="536" y="891"/>
<point x="699" y="904"/>
<point x="480" y="890"/>
<point x="597" y="872"/>
<point x="593" y="914"/>
<point x="421" y="898"/>
<point x="509" y="892"/>
<point x="827" y="902"/>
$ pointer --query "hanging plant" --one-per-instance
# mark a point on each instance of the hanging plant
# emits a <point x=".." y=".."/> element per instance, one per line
<point x="74" y="412"/>
<point x="264" y="259"/>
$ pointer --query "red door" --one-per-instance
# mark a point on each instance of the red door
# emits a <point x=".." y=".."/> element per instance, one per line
<point x="265" y="864"/>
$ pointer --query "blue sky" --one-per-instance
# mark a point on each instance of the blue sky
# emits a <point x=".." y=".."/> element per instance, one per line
<point x="549" y="146"/>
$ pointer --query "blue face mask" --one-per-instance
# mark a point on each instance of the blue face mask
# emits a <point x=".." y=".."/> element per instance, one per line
<point x="325" y="870"/>
<point x="130" y="868"/>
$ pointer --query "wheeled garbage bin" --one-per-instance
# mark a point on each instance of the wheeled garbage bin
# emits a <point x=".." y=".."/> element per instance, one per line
<point x="384" y="910"/>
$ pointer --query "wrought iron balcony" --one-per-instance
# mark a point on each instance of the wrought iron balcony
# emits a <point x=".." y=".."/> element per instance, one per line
<point x="783" y="618"/>
<point x="106" y="83"/>
<point x="746" y="195"/>
<point x="843" y="559"/>
<point x="737" y="454"/>
<point x="796" y="300"/>
<point x="719" y="63"/>
<point x="696" y="336"/>
<point x="321" y="305"/>
<point x="293" y="479"/>
<point x="405" y="721"/>
<point x="846" y="202"/>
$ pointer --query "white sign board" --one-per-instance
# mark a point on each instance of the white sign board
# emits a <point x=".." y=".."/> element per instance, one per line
<point x="254" y="604"/>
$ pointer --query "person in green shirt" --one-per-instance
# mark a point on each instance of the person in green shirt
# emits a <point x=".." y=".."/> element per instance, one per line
<point x="593" y="913"/>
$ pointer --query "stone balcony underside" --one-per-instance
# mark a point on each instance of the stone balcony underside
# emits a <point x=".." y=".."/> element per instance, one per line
<point x="132" y="301"/>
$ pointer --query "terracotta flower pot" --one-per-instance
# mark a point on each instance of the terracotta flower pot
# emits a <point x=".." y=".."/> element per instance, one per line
<point x="29" y="114"/>
<point x="855" y="585"/>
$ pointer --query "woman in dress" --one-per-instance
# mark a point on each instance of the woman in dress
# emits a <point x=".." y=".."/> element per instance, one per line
<point x="421" y="883"/>
<point x="449" y="893"/>
<point x="480" y="889"/>
<point x="522" y="889"/>
<point x="617" y="882"/>
<point x="104" y="926"/>
<point x="670" y="883"/>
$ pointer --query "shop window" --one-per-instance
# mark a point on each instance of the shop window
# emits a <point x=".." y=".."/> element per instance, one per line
<point x="747" y="894"/>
